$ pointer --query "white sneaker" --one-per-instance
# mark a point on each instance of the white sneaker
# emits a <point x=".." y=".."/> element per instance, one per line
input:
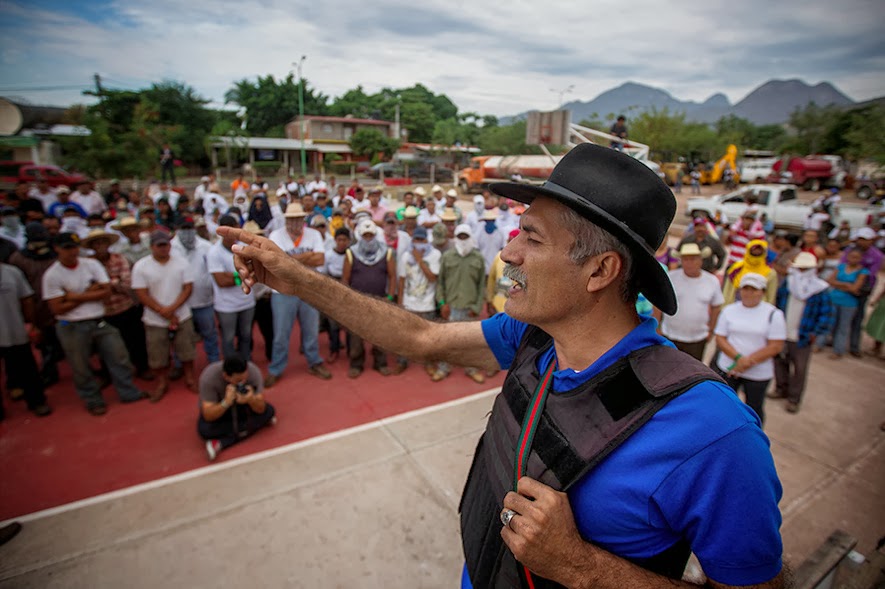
<point x="213" y="447"/>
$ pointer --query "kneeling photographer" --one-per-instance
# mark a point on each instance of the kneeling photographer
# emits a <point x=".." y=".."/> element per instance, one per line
<point x="232" y="406"/>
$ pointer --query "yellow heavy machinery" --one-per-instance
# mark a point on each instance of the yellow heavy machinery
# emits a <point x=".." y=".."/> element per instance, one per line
<point x="714" y="174"/>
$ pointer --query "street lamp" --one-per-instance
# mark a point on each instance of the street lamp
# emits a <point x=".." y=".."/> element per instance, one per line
<point x="562" y="94"/>
<point x="301" y="111"/>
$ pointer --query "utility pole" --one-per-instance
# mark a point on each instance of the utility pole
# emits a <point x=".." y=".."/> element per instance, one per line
<point x="301" y="112"/>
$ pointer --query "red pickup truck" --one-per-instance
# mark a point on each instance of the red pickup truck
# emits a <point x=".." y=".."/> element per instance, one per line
<point x="11" y="173"/>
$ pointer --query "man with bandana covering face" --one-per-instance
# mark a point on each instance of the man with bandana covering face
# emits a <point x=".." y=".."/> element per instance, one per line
<point x="11" y="228"/>
<point x="370" y="267"/>
<point x="805" y="300"/>
<point x="33" y="261"/>
<point x="474" y="217"/>
<point x="460" y="289"/>
<point x="193" y="248"/>
<point x="417" y="270"/>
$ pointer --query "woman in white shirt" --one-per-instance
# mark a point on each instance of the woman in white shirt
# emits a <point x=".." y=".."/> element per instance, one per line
<point x="750" y="333"/>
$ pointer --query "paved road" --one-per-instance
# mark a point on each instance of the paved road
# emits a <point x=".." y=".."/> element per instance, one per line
<point x="376" y="506"/>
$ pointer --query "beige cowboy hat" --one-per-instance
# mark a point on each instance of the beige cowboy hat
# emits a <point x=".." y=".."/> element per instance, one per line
<point x="448" y="215"/>
<point x="420" y="191"/>
<point x="452" y="192"/>
<point x="410" y="212"/>
<point x="490" y="215"/>
<point x="436" y="188"/>
<point x="126" y="222"/>
<point x="96" y="234"/>
<point x="253" y="228"/>
<point x="295" y="210"/>
<point x="692" y="249"/>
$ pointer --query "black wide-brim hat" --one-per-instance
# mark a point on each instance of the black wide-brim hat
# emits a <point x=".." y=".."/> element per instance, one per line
<point x="619" y="194"/>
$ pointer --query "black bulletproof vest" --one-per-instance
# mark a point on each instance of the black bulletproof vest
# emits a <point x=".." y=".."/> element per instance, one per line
<point x="578" y="429"/>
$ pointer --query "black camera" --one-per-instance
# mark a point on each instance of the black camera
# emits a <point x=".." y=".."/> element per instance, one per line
<point x="242" y="388"/>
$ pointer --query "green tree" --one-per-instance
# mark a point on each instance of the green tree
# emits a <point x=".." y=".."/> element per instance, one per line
<point x="811" y="126"/>
<point x="506" y="140"/>
<point x="371" y="142"/>
<point x="270" y="104"/>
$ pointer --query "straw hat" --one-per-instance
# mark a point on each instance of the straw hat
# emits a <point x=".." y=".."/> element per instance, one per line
<point x="490" y="215"/>
<point x="126" y="222"/>
<point x="253" y="228"/>
<point x="99" y="234"/>
<point x="420" y="191"/>
<point x="295" y="210"/>
<point x="692" y="249"/>
<point x="448" y="215"/>
<point x="436" y="188"/>
<point x="452" y="192"/>
<point x="410" y="212"/>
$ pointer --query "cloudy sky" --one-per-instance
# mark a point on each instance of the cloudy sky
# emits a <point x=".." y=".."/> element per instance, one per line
<point x="487" y="56"/>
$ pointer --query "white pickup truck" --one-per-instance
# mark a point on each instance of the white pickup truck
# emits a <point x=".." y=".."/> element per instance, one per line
<point x="779" y="203"/>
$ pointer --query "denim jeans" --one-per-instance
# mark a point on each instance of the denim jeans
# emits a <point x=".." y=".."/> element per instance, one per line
<point x="224" y="430"/>
<point x="842" y="328"/>
<point x="204" y="324"/>
<point x="236" y="325"/>
<point x="78" y="339"/>
<point x="286" y="309"/>
<point x="857" y="324"/>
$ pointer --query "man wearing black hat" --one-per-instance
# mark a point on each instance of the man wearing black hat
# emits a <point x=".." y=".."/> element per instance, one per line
<point x="74" y="288"/>
<point x="609" y="456"/>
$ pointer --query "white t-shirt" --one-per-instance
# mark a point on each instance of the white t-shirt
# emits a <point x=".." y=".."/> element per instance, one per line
<point x="59" y="278"/>
<point x="311" y="241"/>
<point x="419" y="294"/>
<point x="13" y="288"/>
<point x="196" y="259"/>
<point x="164" y="282"/>
<point x="92" y="203"/>
<point x="749" y="329"/>
<point x="169" y="195"/>
<point x="426" y="216"/>
<point x="48" y="199"/>
<point x="695" y="296"/>
<point x="228" y="299"/>
<point x="211" y="201"/>
<point x="315" y="186"/>
<point x="334" y="264"/>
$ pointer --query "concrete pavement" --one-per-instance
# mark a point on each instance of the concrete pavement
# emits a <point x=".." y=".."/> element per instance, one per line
<point x="376" y="505"/>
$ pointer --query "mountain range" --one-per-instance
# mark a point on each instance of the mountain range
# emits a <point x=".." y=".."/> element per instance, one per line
<point x="770" y="103"/>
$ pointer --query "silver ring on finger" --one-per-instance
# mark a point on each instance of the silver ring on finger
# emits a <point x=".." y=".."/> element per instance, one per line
<point x="506" y="516"/>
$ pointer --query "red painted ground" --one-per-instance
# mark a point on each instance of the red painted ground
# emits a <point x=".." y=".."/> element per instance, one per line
<point x="72" y="455"/>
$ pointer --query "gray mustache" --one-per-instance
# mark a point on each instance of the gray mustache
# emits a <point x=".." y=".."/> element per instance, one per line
<point x="515" y="274"/>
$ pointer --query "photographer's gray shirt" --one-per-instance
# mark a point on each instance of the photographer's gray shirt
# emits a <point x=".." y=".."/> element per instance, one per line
<point x="212" y="383"/>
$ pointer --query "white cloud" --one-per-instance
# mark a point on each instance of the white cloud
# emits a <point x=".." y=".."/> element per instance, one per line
<point x="487" y="56"/>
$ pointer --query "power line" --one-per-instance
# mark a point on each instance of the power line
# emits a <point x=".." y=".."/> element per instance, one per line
<point x="43" y="88"/>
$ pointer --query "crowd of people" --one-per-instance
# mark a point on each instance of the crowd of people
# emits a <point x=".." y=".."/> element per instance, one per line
<point x="126" y="285"/>
<point x="771" y="298"/>
<point x="139" y="278"/>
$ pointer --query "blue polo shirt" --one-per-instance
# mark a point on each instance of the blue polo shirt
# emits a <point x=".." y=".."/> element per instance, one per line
<point x="700" y="469"/>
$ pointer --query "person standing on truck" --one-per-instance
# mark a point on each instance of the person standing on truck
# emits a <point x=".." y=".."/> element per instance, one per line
<point x="619" y="129"/>
<point x="167" y="163"/>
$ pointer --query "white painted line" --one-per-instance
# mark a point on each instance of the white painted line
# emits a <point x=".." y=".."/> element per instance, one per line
<point x="198" y="472"/>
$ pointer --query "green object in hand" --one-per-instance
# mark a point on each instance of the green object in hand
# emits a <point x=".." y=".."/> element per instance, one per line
<point x="237" y="280"/>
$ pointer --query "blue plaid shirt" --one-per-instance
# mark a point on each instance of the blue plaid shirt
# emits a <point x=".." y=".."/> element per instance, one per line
<point x="817" y="318"/>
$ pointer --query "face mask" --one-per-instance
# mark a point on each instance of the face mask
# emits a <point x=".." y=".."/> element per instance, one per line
<point x="503" y="207"/>
<point x="11" y="222"/>
<point x="188" y="238"/>
<point x="424" y="248"/>
<point x="479" y="207"/>
<point x="463" y="246"/>
<point x="72" y="225"/>
<point x="490" y="227"/>
<point x="371" y="245"/>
